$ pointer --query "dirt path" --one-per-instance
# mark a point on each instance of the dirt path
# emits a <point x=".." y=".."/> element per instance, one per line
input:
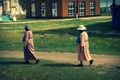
<point x="65" y="57"/>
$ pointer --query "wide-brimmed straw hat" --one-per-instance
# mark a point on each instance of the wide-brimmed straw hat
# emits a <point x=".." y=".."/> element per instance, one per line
<point x="81" y="27"/>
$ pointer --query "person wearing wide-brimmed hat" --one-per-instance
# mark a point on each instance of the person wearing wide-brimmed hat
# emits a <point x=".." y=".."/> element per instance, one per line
<point x="29" y="51"/>
<point x="83" y="46"/>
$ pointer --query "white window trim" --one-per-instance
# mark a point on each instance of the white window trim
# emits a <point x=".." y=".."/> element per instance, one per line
<point x="82" y="9"/>
<point x="92" y="8"/>
<point x="43" y="9"/>
<point x="71" y="9"/>
<point x="33" y="9"/>
<point x="54" y="9"/>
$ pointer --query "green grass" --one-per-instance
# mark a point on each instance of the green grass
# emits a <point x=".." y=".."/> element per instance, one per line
<point x="60" y="36"/>
<point x="106" y="14"/>
<point x="14" y="69"/>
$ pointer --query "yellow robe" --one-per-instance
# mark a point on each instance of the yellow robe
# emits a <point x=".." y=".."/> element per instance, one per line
<point x="84" y="55"/>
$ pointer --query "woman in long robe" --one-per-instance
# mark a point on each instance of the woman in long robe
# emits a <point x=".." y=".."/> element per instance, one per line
<point x="83" y="46"/>
<point x="29" y="51"/>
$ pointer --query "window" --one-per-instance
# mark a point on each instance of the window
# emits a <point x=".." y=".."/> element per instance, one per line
<point x="43" y="10"/>
<point x="54" y="9"/>
<point x="71" y="9"/>
<point x="82" y="8"/>
<point x="92" y="8"/>
<point x="33" y="9"/>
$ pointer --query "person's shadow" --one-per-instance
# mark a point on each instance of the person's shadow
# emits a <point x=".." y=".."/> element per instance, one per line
<point x="118" y="67"/>
<point x="61" y="65"/>
<point x="11" y="62"/>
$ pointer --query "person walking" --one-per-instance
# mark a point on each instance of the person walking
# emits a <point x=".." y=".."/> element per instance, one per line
<point x="83" y="46"/>
<point x="29" y="51"/>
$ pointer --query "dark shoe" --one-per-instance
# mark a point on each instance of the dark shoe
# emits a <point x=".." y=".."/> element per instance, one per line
<point x="80" y="65"/>
<point x="26" y="62"/>
<point x="91" y="62"/>
<point x="37" y="61"/>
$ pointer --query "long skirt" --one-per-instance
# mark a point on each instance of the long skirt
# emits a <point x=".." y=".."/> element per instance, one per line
<point x="29" y="52"/>
<point x="85" y="54"/>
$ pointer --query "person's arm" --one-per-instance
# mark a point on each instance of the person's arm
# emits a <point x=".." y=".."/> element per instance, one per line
<point x="82" y="42"/>
<point x="26" y="38"/>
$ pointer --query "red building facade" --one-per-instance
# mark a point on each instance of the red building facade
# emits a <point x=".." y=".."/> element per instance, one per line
<point x="62" y="8"/>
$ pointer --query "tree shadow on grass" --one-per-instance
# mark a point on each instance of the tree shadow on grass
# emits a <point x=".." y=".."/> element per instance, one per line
<point x="70" y="31"/>
<point x="61" y="65"/>
<point x="93" y="30"/>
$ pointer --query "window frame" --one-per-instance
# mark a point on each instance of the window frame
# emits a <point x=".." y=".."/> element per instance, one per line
<point x="54" y="9"/>
<point x="71" y="9"/>
<point x="43" y="9"/>
<point x="92" y="7"/>
<point x="33" y="10"/>
<point x="82" y="10"/>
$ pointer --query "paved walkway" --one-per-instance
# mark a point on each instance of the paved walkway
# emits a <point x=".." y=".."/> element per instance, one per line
<point x="65" y="57"/>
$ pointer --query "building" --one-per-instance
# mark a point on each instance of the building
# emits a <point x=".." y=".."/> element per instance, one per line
<point x="10" y="7"/>
<point x="62" y="8"/>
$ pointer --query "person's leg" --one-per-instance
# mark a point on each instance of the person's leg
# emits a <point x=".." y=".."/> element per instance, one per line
<point x="91" y="61"/>
<point x="81" y="64"/>
<point x="26" y="61"/>
<point x="37" y="60"/>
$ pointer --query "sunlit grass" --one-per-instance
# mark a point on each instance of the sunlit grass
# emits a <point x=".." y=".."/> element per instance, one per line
<point x="61" y="36"/>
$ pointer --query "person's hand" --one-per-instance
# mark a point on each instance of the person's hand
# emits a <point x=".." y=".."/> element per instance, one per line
<point x="24" y="45"/>
<point x="81" y="49"/>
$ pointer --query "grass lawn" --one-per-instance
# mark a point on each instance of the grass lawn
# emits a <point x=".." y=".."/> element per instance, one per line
<point x="60" y="36"/>
<point x="14" y="69"/>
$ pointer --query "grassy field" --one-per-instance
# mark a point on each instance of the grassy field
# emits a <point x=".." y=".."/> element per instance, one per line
<point x="60" y="35"/>
<point x="14" y="69"/>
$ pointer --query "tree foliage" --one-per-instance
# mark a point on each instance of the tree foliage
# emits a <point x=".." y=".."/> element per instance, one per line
<point x="22" y="4"/>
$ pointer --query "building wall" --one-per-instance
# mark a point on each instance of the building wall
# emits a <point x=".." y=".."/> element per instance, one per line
<point x="16" y="8"/>
<point x="97" y="7"/>
<point x="87" y="7"/>
<point x="28" y="8"/>
<point x="48" y="8"/>
<point x="10" y="7"/>
<point x="62" y="8"/>
<point x="1" y="8"/>
<point x="65" y="7"/>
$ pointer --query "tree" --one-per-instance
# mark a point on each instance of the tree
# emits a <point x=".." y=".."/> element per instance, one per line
<point x="106" y="6"/>
<point x="22" y="4"/>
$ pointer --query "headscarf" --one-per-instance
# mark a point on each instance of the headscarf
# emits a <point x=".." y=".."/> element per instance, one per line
<point x="27" y="27"/>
